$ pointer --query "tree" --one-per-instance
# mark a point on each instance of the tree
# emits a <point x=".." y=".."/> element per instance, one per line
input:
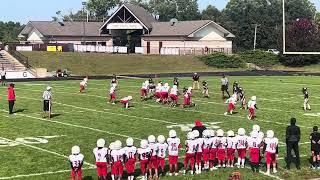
<point x="100" y="8"/>
<point x="9" y="31"/>
<point x="211" y="13"/>
<point x="187" y="10"/>
<point x="166" y="9"/>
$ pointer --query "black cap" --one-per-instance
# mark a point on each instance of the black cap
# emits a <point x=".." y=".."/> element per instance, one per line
<point x="315" y="128"/>
<point x="293" y="121"/>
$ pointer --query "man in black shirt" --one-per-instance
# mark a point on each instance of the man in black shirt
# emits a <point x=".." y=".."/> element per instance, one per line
<point x="199" y="126"/>
<point x="292" y="140"/>
<point x="195" y="79"/>
<point x="306" y="105"/>
<point x="315" y="147"/>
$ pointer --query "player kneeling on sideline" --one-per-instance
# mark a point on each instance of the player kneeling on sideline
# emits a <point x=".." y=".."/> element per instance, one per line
<point x="83" y="85"/>
<point x="112" y="93"/>
<point x="153" y="161"/>
<point x="76" y="161"/>
<point x="221" y="145"/>
<point x="241" y="147"/>
<point x="161" y="155"/>
<point x="47" y="102"/>
<point x="231" y="148"/>
<point x="306" y="105"/>
<point x="187" y="98"/>
<point x="205" y="89"/>
<point x="173" y="151"/>
<point x="199" y="141"/>
<point x="254" y="144"/>
<point x="207" y="143"/>
<point x="174" y="95"/>
<point x="130" y="158"/>
<point x="271" y="151"/>
<point x="117" y="155"/>
<point x="252" y="105"/>
<point x="144" y="90"/>
<point x="315" y="147"/>
<point x="101" y="154"/>
<point x="125" y="101"/>
<point x="191" y="147"/>
<point x="144" y="153"/>
<point x="231" y="104"/>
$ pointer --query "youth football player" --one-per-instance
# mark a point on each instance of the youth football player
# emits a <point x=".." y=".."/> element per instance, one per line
<point x="252" y="105"/>
<point x="158" y="92"/>
<point x="162" y="151"/>
<point x="198" y="151"/>
<point x="174" y="95"/>
<point x="205" y="89"/>
<point x="306" y="105"/>
<point x="231" y="104"/>
<point x="254" y="144"/>
<point x="76" y="161"/>
<point x="130" y="158"/>
<point x="315" y="147"/>
<point x="144" y="90"/>
<point x="165" y="93"/>
<point x="112" y="93"/>
<point x="173" y="151"/>
<point x="213" y="151"/>
<point x="117" y="155"/>
<point x="144" y="154"/>
<point x="231" y="148"/>
<point x="241" y="147"/>
<point x="207" y="143"/>
<point x="125" y="101"/>
<point x="242" y="98"/>
<point x="83" y="85"/>
<point x="153" y="161"/>
<point x="101" y="154"/>
<point x="271" y="151"/>
<point x="221" y="145"/>
<point x="191" y="147"/>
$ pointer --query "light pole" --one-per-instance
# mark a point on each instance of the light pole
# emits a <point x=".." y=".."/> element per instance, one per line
<point x="255" y="36"/>
<point x="84" y="4"/>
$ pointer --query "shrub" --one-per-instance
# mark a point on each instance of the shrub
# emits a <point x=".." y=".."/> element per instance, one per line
<point x="299" y="60"/>
<point x="260" y="58"/>
<point x="222" y="60"/>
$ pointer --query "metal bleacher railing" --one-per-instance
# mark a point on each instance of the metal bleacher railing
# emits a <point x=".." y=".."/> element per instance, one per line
<point x="23" y="60"/>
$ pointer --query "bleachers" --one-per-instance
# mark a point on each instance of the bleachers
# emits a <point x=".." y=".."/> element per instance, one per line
<point x="9" y="63"/>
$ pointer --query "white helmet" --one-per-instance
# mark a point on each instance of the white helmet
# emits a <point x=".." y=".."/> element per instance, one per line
<point x="256" y="128"/>
<point x="112" y="146"/>
<point x="189" y="88"/>
<point x="159" y="84"/>
<point x="117" y="145"/>
<point x="172" y="133"/>
<point x="270" y="134"/>
<point x="49" y="88"/>
<point x="241" y="131"/>
<point x="75" y="150"/>
<point x="147" y="82"/>
<point x="174" y="87"/>
<point x="254" y="134"/>
<point x="220" y="132"/>
<point x="230" y="133"/>
<point x="101" y="143"/>
<point x="114" y="85"/>
<point x="253" y="98"/>
<point x="190" y="136"/>
<point x="206" y="133"/>
<point x="196" y="133"/>
<point x="212" y="133"/>
<point x="129" y="141"/>
<point x="144" y="144"/>
<point x="130" y="97"/>
<point x="152" y="139"/>
<point x="166" y="84"/>
<point x="161" y="139"/>
<point x="234" y="96"/>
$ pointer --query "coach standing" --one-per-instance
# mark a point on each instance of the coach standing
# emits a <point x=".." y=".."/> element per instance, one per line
<point x="224" y="86"/>
<point x="195" y="79"/>
<point x="47" y="96"/>
<point x="11" y="97"/>
<point x="292" y="140"/>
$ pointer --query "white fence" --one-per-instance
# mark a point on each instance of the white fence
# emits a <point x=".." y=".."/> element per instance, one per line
<point x="23" y="48"/>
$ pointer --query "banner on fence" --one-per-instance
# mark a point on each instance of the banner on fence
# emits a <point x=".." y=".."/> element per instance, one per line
<point x="54" y="48"/>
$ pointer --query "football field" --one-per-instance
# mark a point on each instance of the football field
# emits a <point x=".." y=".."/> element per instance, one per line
<point x="35" y="148"/>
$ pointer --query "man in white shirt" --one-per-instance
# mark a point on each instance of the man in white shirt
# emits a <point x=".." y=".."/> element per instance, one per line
<point x="47" y="97"/>
<point x="3" y="74"/>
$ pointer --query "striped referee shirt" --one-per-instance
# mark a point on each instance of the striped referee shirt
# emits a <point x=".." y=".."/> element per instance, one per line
<point x="224" y="81"/>
<point x="47" y="95"/>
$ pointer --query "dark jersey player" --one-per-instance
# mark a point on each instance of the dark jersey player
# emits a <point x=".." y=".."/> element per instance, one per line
<point x="306" y="105"/>
<point x="114" y="79"/>
<point x="235" y="88"/>
<point x="242" y="98"/>
<point x="176" y="81"/>
<point x="315" y="147"/>
<point x="205" y="89"/>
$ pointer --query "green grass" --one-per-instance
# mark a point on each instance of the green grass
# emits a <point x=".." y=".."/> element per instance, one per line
<point x="81" y="119"/>
<point x="103" y="64"/>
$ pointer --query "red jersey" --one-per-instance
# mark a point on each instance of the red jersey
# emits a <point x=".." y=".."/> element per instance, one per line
<point x="11" y="94"/>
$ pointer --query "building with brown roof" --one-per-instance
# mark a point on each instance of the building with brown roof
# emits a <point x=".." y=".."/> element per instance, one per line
<point x="132" y="27"/>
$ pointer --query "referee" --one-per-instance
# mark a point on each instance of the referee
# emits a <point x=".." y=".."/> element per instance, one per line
<point x="47" y="97"/>
<point x="224" y="86"/>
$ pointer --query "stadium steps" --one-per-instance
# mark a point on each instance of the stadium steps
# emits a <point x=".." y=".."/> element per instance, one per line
<point x="10" y="63"/>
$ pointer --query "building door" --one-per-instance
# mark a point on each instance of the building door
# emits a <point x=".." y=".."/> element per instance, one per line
<point x="160" y="46"/>
<point x="148" y="47"/>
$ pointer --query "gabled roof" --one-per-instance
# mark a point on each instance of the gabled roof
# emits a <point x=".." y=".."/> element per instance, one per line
<point x="183" y="28"/>
<point x="52" y="28"/>
<point x="140" y="13"/>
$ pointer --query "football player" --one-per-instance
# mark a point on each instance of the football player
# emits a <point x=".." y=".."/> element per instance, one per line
<point x="205" y="89"/>
<point x="176" y="81"/>
<point x="83" y="85"/>
<point x="256" y="127"/>
<point x="231" y="104"/>
<point x="221" y="145"/>
<point x="315" y="147"/>
<point x="114" y="80"/>
<point x="153" y="161"/>
<point x="306" y="105"/>
<point x="165" y="93"/>
<point x="173" y="151"/>
<point x="101" y="155"/>
<point x="112" y="93"/>
<point x="130" y="158"/>
<point x="117" y="155"/>
<point x="242" y="98"/>
<point x="174" y="95"/>
<point x="158" y="92"/>
<point x="199" y="140"/>
<point x="252" y="105"/>
<point x="231" y="148"/>
<point x="144" y="90"/>
<point x="187" y="98"/>
<point x="144" y="153"/>
<point x="271" y="151"/>
<point x="241" y="147"/>
<point x="191" y="147"/>
<point x="207" y="143"/>
<point x="125" y="101"/>
<point x="76" y="161"/>
<point x="151" y="86"/>
<point x="235" y="88"/>
<point x="213" y="151"/>
<point x="254" y="144"/>
<point x="162" y="150"/>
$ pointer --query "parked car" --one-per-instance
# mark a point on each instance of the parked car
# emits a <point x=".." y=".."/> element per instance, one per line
<point x="274" y="51"/>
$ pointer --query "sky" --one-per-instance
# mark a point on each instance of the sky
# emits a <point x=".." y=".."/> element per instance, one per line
<point x="35" y="10"/>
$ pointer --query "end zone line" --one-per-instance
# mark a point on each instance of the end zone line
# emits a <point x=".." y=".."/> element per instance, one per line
<point x="45" y="150"/>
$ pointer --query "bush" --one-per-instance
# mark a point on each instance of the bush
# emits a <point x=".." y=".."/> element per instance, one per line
<point x="299" y="60"/>
<point x="222" y="60"/>
<point x="260" y="58"/>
